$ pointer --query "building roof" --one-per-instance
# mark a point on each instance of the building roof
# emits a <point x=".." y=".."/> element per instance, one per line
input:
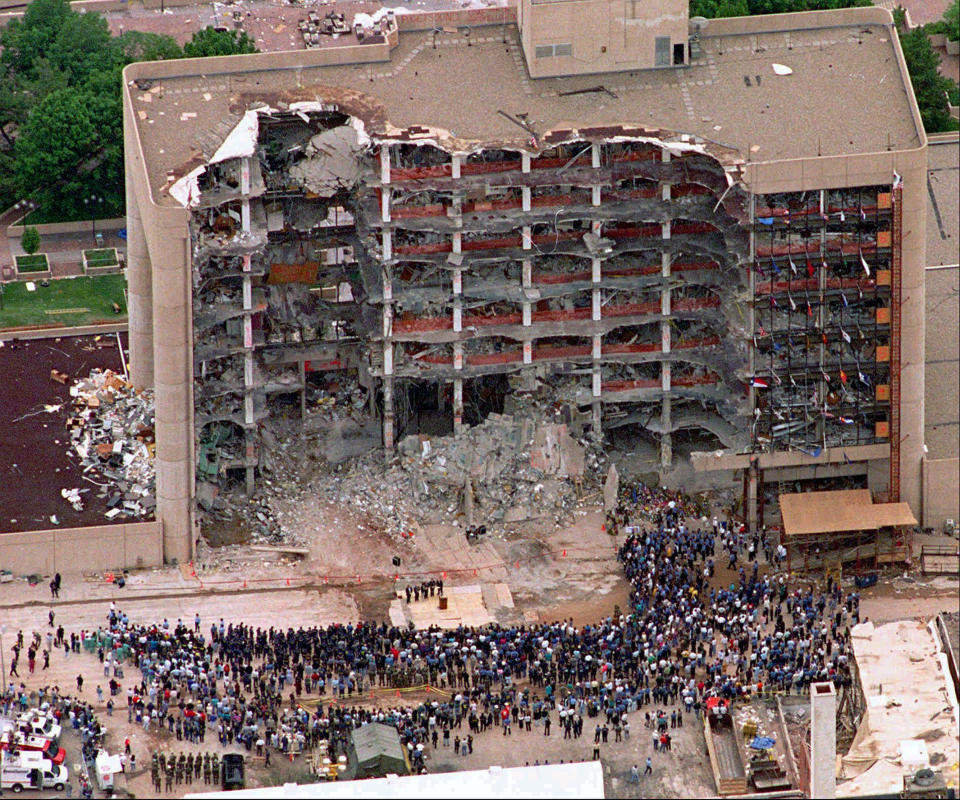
<point x="846" y="93"/>
<point x="840" y="511"/>
<point x="907" y="697"/>
<point x="580" y="780"/>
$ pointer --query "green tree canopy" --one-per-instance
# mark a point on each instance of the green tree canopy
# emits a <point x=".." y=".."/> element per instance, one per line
<point x="141" y="46"/>
<point x="929" y="86"/>
<point x="952" y="19"/>
<point x="30" y="240"/>
<point x="211" y="42"/>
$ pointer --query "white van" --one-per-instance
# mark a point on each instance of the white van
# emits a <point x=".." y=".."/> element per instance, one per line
<point x="31" y="771"/>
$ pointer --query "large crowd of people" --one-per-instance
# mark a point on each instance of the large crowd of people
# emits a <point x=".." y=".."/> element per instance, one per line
<point x="686" y="636"/>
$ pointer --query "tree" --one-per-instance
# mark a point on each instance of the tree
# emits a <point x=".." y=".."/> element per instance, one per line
<point x="141" y="46"/>
<point x="58" y="149"/>
<point x="30" y="240"/>
<point x="952" y="19"/>
<point x="211" y="42"/>
<point x="929" y="86"/>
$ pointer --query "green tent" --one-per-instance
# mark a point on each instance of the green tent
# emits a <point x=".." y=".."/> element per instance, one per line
<point x="374" y="751"/>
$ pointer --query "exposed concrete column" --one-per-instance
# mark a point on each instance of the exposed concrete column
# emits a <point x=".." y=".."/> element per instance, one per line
<point x="524" y="162"/>
<point x="597" y="311"/>
<point x="388" y="415"/>
<point x="595" y="406"/>
<point x="666" y="386"/>
<point x="595" y="195"/>
<point x="387" y="245"/>
<point x="457" y="406"/>
<point x="595" y="269"/>
<point x="595" y="155"/>
<point x="528" y="352"/>
<point x="455" y="166"/>
<point x="525" y="194"/>
<point x="385" y="205"/>
<point x="526" y="274"/>
<point x="525" y="237"/>
<point x="823" y="740"/>
<point x="139" y="295"/>
<point x="385" y="165"/>
<point x="248" y="378"/>
<point x="245" y="191"/>
<point x="752" y="481"/>
<point x="457" y="301"/>
<point x="388" y="412"/>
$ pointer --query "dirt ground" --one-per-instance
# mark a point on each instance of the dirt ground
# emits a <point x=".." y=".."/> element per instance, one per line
<point x="571" y="572"/>
<point x="34" y="465"/>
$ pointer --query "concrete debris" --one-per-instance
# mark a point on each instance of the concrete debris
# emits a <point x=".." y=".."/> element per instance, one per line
<point x="112" y="432"/>
<point x="506" y="471"/>
<point x="72" y="496"/>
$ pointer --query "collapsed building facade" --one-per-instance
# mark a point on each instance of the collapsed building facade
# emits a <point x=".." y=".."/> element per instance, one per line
<point x="731" y="296"/>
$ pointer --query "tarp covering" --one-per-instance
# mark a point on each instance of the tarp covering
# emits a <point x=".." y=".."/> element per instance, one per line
<point x="374" y="751"/>
<point x="836" y="512"/>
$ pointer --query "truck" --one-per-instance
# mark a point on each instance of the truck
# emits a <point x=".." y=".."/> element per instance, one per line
<point x="14" y="742"/>
<point x="30" y="770"/>
<point x="40" y="724"/>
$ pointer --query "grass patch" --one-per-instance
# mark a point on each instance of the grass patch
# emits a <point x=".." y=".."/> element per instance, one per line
<point x="34" y="263"/>
<point x="105" y="257"/>
<point x="82" y="301"/>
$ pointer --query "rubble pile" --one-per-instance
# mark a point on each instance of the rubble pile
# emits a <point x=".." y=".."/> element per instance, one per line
<point x="506" y="470"/>
<point x="112" y="432"/>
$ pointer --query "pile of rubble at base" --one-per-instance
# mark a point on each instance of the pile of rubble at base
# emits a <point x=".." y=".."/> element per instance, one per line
<point x="112" y="432"/>
<point x="507" y="470"/>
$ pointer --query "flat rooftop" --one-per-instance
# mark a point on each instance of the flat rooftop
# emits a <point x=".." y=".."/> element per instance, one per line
<point x="845" y="95"/>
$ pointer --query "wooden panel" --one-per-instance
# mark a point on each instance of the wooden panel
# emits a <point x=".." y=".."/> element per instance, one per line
<point x="883" y="277"/>
<point x="883" y="316"/>
<point x="883" y="392"/>
<point x="882" y="430"/>
<point x="883" y="238"/>
<point x="883" y="352"/>
<point x="883" y="200"/>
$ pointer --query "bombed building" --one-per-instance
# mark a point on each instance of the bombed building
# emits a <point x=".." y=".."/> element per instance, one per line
<point x="684" y="236"/>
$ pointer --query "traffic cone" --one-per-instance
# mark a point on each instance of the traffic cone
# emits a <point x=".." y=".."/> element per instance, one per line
<point x="288" y="581"/>
<point x="564" y="553"/>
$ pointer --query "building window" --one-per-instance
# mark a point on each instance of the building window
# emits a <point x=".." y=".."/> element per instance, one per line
<point x="550" y="50"/>
<point x="662" y="58"/>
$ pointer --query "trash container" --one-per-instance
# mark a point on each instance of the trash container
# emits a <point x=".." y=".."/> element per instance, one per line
<point x="443" y="604"/>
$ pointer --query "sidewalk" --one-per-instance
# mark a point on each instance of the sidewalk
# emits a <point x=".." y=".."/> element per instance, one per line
<point x="65" y="250"/>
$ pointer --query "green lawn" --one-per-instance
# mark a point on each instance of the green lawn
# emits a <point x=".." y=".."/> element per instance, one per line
<point x="36" y="263"/>
<point x="65" y="302"/>
<point x="105" y="257"/>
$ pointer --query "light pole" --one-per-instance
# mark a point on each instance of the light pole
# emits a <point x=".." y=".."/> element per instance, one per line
<point x="93" y="202"/>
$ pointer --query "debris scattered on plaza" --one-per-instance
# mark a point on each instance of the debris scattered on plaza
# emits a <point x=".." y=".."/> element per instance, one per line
<point x="111" y="429"/>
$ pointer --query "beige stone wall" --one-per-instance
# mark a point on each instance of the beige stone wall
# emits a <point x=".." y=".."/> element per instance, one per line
<point x="604" y="35"/>
<point x="160" y="279"/>
<point x="941" y="491"/>
<point x="100" y="547"/>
